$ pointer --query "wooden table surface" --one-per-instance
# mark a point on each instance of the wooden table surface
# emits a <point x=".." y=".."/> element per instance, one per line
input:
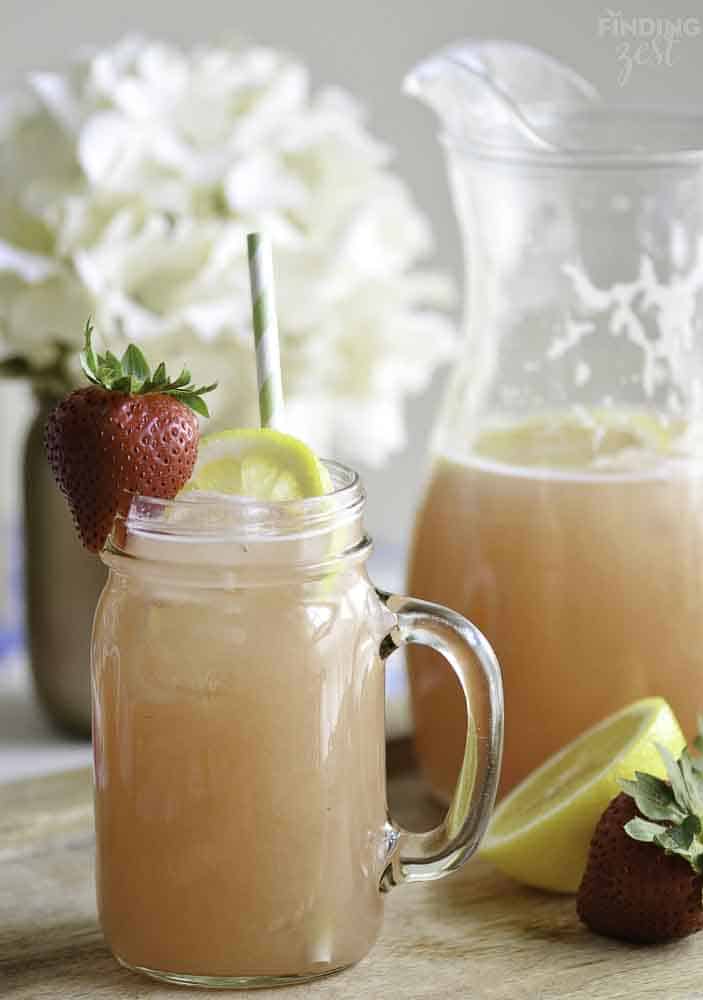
<point x="477" y="934"/>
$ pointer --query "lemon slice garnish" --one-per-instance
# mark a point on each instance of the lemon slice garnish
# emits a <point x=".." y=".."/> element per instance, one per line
<point x="261" y="464"/>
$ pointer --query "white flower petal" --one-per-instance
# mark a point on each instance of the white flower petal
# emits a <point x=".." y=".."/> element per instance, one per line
<point x="30" y="267"/>
<point x="259" y="183"/>
<point x="59" y="99"/>
<point x="105" y="142"/>
<point x="46" y="314"/>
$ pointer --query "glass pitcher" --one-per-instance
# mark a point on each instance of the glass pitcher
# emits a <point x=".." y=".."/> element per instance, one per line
<point x="564" y="508"/>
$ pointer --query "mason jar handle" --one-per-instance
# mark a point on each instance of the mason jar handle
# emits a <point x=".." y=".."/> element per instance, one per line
<point x="422" y="857"/>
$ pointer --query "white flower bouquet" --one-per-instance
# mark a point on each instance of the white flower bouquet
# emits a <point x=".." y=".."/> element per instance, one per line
<point x="127" y="186"/>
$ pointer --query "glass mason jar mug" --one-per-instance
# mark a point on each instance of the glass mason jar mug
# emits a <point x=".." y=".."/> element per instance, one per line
<point x="238" y="696"/>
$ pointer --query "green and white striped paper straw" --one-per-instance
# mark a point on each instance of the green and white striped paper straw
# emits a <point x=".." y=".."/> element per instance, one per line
<point x="268" y="355"/>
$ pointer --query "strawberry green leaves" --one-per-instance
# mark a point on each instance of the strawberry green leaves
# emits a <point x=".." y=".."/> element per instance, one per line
<point x="134" y="363"/>
<point x="654" y="798"/>
<point x="89" y="362"/>
<point x="683" y="841"/>
<point x="676" y="804"/>
<point x="131" y="374"/>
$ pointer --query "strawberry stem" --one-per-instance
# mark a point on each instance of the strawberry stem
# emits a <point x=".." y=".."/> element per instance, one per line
<point x="673" y="809"/>
<point x="131" y="374"/>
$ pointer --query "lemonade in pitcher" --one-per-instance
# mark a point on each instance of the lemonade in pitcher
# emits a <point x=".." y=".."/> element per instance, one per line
<point x="563" y="510"/>
<point x="578" y="548"/>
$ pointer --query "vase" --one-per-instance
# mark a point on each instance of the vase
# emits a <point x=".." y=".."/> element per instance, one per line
<point x="62" y="585"/>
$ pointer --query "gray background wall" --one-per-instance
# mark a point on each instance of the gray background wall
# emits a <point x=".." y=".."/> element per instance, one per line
<point x="367" y="45"/>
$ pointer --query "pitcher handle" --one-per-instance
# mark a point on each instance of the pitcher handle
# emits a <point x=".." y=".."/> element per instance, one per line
<point x="422" y="857"/>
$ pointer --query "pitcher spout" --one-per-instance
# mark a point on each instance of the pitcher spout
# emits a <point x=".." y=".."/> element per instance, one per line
<point x="482" y="92"/>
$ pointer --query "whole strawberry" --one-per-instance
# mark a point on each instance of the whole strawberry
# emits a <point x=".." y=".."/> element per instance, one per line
<point x="129" y="432"/>
<point x="643" y="880"/>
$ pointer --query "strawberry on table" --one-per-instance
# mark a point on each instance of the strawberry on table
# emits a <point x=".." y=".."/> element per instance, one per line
<point x="644" y="877"/>
<point x="128" y="432"/>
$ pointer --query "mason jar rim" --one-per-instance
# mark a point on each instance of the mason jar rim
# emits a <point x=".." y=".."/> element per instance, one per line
<point x="210" y="517"/>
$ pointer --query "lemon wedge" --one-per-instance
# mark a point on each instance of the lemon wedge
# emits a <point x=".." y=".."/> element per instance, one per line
<point x="262" y="464"/>
<point x="540" y="833"/>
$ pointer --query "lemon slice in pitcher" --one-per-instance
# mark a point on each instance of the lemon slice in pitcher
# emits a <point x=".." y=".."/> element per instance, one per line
<point x="262" y="464"/>
<point x="540" y="833"/>
<point x="587" y="439"/>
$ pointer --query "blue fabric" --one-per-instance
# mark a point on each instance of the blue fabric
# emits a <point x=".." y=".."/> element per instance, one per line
<point x="12" y="623"/>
